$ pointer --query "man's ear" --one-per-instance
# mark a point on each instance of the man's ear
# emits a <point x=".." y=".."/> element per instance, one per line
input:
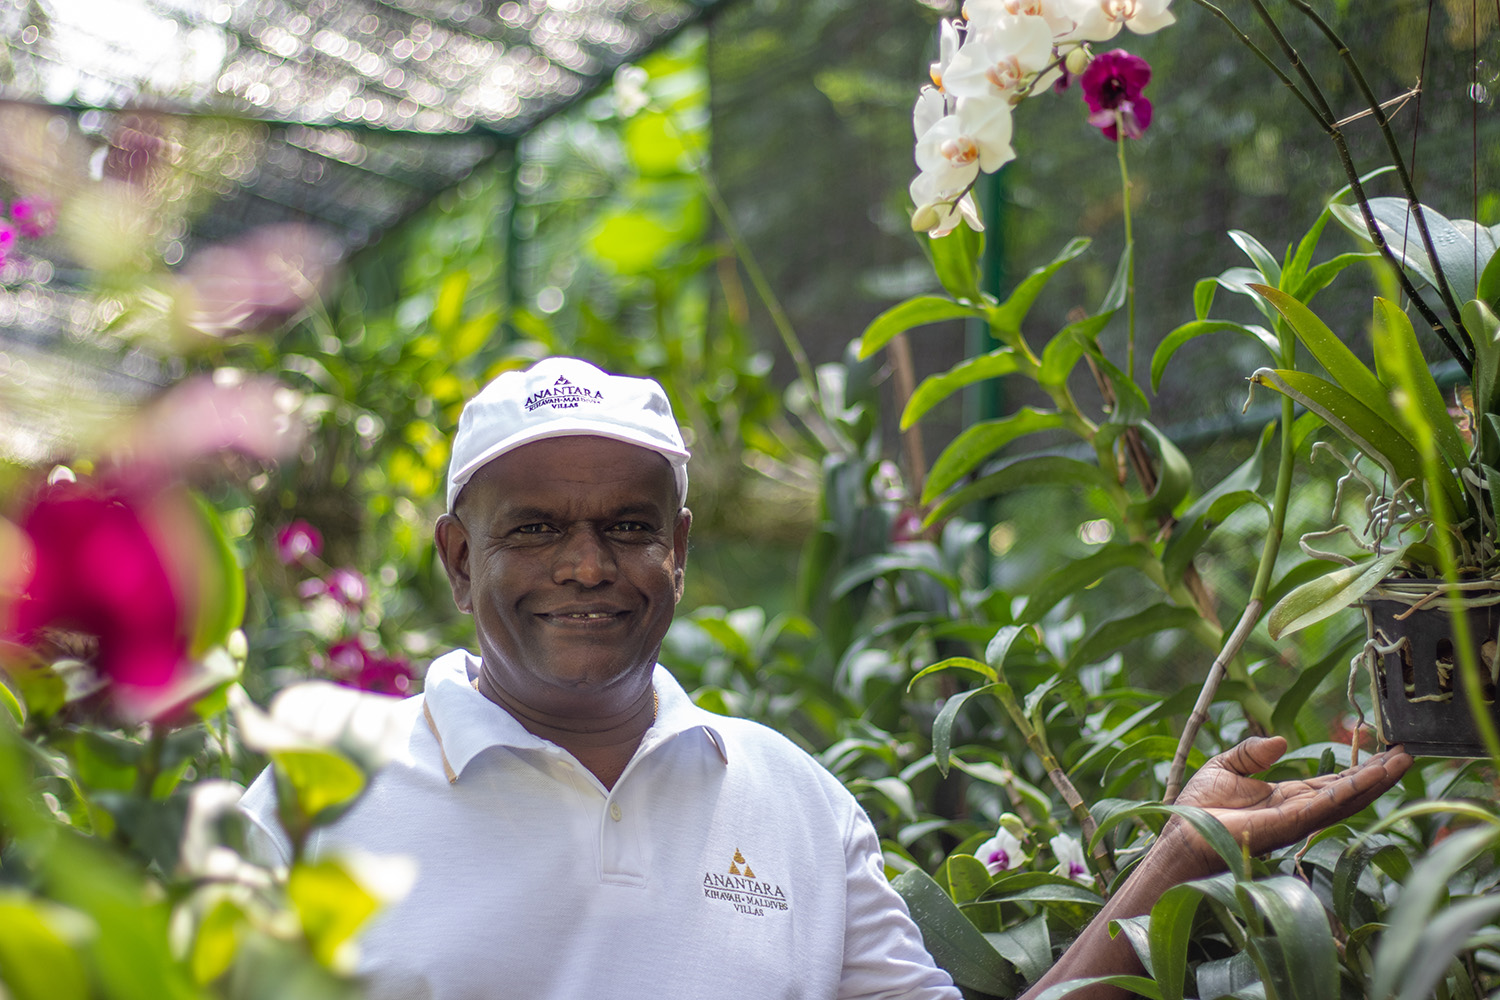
<point x="453" y="546"/>
<point x="680" y="548"/>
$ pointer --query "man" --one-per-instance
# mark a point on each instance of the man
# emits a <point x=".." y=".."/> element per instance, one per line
<point x="580" y="827"/>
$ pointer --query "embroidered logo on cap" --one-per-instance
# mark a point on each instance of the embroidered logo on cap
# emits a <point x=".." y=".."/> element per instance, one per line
<point x="740" y="886"/>
<point x="563" y="395"/>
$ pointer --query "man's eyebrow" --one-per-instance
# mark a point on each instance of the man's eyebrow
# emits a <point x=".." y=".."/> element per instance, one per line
<point x="643" y="510"/>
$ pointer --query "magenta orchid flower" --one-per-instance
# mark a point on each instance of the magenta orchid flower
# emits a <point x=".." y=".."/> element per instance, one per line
<point x="297" y="541"/>
<point x="1112" y="87"/>
<point x="33" y="217"/>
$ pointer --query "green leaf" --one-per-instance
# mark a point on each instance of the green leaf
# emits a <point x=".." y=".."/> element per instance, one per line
<point x="911" y="313"/>
<point x="1025" y="473"/>
<point x="315" y="783"/>
<point x="1078" y="575"/>
<point x="1156" y="748"/>
<point x="1171" y="926"/>
<point x="1174" y="476"/>
<point x="942" y="726"/>
<point x="1443" y="939"/>
<point x="1423" y="895"/>
<point x="1009" y="315"/>
<point x="1027" y="946"/>
<point x="1228" y="495"/>
<point x="1459" y="243"/>
<point x="1304" y="939"/>
<point x="11" y="703"/>
<point x="966" y="876"/>
<point x="1110" y="636"/>
<point x="1131" y="406"/>
<point x="1209" y="828"/>
<point x="952" y="939"/>
<point x="1330" y="593"/>
<point x="1488" y="291"/>
<point x="39" y="959"/>
<point x="956" y="258"/>
<point x="1398" y="359"/>
<point x="1262" y="258"/>
<point x="1203" y="302"/>
<point x="1376" y="437"/>
<point x="1352" y="863"/>
<point x="1322" y="275"/>
<point x="1200" y="327"/>
<point x="449" y="309"/>
<point x="956" y="663"/>
<point x="331" y="905"/>
<point x="1300" y="260"/>
<point x="1347" y="371"/>
<point x="923" y="559"/>
<point x="936" y="388"/>
<point x="980" y="442"/>
<point x="1139" y="985"/>
<point x="1067" y="346"/>
<point x="217" y="941"/>
<point x="221" y="584"/>
<point x="998" y="647"/>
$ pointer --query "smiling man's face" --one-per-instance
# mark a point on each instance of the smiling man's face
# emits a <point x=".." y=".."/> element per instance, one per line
<point x="569" y="554"/>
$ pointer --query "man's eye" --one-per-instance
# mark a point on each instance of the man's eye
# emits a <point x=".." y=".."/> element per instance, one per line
<point x="628" y="526"/>
<point x="532" y="529"/>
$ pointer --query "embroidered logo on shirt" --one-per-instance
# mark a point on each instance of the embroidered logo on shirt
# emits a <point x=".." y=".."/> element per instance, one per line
<point x="747" y="892"/>
<point x="563" y="395"/>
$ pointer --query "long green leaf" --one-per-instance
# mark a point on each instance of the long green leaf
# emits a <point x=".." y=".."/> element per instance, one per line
<point x="1302" y="933"/>
<point x="942" y="726"/>
<point x="1198" y="328"/>
<point x="1330" y="593"/>
<point x="1320" y="276"/>
<point x="1353" y="862"/>
<point x="956" y="663"/>
<point x="1043" y="470"/>
<point x="1174" y="476"/>
<point x="1284" y="718"/>
<point x="1027" y="946"/>
<point x="1113" y="634"/>
<point x="952" y="939"/>
<point x="1067" y="347"/>
<point x="1139" y="985"/>
<point x="1171" y="925"/>
<point x="955" y="258"/>
<point x="1198" y="525"/>
<point x="922" y="559"/>
<point x="1398" y="359"/>
<point x="1348" y="372"/>
<point x="1442" y="940"/>
<point x="936" y="388"/>
<point x="980" y="442"/>
<point x="1262" y="258"/>
<point x="1080" y="574"/>
<point x="1009" y="314"/>
<point x="1377" y="437"/>
<point x="911" y="313"/>
<point x="1201" y="820"/>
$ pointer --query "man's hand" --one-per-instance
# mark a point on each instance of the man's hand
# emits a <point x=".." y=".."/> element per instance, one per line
<point x="1268" y="815"/>
<point x="1262" y="814"/>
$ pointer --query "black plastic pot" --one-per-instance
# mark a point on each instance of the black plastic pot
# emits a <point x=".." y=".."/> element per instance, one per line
<point x="1420" y="687"/>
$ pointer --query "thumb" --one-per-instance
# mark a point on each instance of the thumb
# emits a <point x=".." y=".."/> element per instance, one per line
<point x="1255" y="754"/>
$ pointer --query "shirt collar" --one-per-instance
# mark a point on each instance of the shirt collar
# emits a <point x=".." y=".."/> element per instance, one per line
<point x="465" y="722"/>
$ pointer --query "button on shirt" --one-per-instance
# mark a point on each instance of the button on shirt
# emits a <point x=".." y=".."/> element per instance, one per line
<point x="724" y="862"/>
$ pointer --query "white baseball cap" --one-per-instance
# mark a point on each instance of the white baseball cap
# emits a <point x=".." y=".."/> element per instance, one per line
<point x="564" y="397"/>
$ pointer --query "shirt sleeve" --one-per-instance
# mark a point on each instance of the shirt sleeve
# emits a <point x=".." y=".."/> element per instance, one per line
<point x="265" y="841"/>
<point x="884" y="957"/>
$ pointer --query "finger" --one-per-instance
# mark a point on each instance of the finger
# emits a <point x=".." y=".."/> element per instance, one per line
<point x="1254" y="754"/>
<point x="1354" y="790"/>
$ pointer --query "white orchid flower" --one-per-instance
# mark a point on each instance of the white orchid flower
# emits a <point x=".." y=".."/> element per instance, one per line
<point x="1001" y="853"/>
<point x="996" y="62"/>
<point x="939" y="212"/>
<point x="931" y="106"/>
<point x="958" y="146"/>
<point x="1070" y="861"/>
<point x="949" y="42"/>
<point x="1101" y="20"/>
<point x="1059" y="14"/>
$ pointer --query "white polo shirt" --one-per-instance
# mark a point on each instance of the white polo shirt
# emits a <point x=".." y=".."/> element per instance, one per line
<point x="725" y="862"/>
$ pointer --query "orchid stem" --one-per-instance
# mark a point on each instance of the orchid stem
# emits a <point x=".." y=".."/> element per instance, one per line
<point x="1129" y="248"/>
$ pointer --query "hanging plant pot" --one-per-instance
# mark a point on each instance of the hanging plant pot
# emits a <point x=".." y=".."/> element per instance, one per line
<point x="1417" y="677"/>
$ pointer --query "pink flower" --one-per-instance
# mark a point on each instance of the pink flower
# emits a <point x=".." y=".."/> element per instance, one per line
<point x="347" y="587"/>
<point x="351" y="664"/>
<point x="98" y="570"/>
<point x="1113" y="83"/>
<point x="34" y="217"/>
<point x="297" y="541"/>
<point x="7" y="239"/>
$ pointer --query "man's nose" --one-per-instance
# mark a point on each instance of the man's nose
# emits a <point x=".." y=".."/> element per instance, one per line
<point x="584" y="558"/>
